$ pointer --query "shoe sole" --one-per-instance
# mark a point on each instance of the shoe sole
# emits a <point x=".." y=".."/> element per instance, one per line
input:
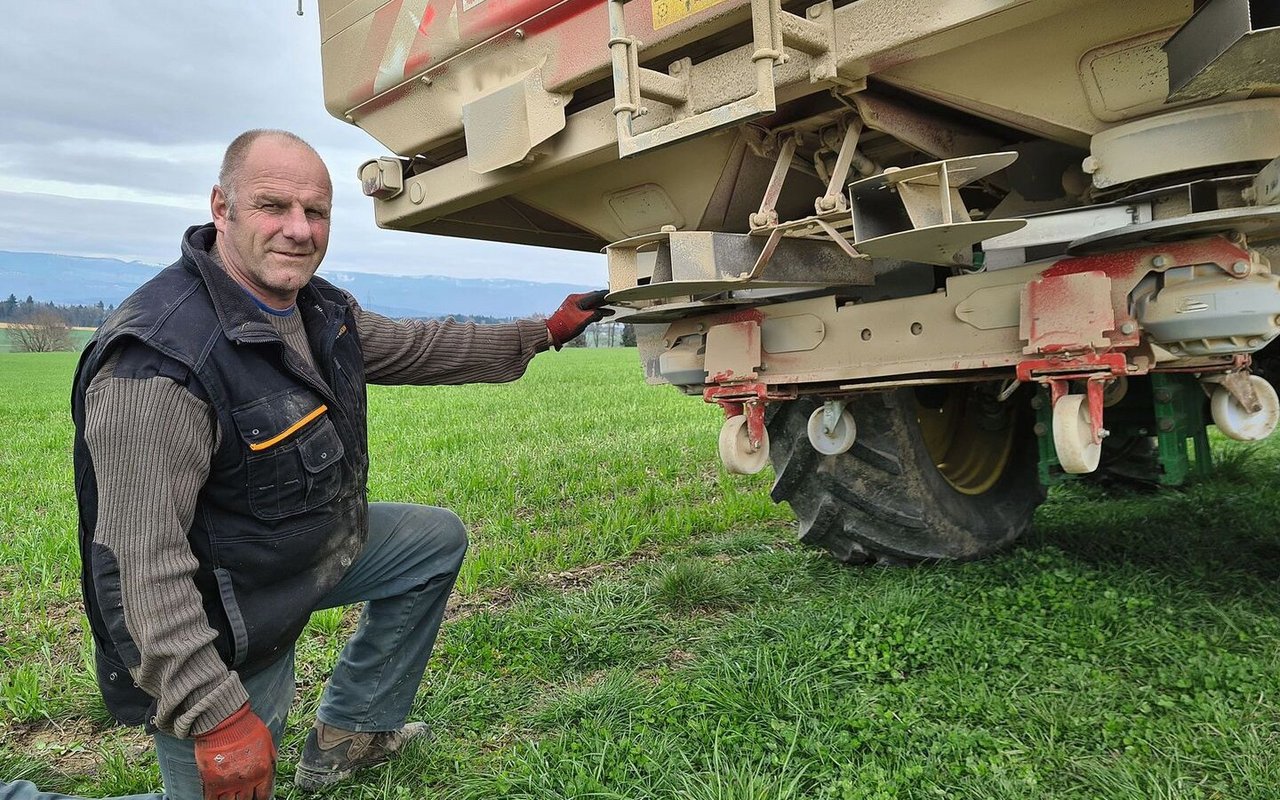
<point x="308" y="779"/>
<point x="313" y="780"/>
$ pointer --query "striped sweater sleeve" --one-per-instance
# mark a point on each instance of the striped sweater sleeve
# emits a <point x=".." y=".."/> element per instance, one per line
<point x="151" y="441"/>
<point x="448" y="352"/>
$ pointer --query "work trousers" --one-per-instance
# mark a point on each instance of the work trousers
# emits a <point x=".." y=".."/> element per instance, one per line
<point x="404" y="576"/>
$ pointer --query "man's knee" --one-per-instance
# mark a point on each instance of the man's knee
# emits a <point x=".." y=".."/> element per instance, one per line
<point x="451" y="532"/>
<point x="441" y="530"/>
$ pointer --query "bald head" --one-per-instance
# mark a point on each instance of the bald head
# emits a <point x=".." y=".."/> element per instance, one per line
<point x="232" y="171"/>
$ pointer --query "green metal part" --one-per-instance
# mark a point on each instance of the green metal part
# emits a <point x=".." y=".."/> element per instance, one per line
<point x="1169" y="407"/>
<point x="1180" y="418"/>
<point x="1051" y="473"/>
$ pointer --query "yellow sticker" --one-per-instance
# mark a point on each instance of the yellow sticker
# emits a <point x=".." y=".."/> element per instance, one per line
<point x="665" y="12"/>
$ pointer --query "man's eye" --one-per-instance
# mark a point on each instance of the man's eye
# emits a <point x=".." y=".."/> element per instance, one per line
<point x="271" y="206"/>
<point x="314" y="213"/>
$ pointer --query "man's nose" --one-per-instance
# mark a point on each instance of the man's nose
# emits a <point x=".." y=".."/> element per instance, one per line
<point x="296" y="225"/>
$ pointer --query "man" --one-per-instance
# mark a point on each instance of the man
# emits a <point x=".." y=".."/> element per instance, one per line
<point x="221" y="461"/>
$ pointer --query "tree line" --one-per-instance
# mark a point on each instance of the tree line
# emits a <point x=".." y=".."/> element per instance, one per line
<point x="36" y="327"/>
<point x="76" y="316"/>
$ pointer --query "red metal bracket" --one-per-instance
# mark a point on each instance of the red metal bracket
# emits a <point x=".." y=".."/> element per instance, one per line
<point x="1215" y="250"/>
<point x="1095" y="384"/>
<point x="748" y="399"/>
<point x="1067" y="367"/>
<point x="1096" y="369"/>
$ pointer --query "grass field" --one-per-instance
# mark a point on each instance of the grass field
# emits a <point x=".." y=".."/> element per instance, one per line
<point x="632" y="622"/>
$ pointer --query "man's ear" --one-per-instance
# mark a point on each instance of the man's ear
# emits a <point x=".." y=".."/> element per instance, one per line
<point x="220" y="209"/>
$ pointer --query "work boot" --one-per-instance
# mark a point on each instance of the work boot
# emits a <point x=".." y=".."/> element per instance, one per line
<point x="331" y="754"/>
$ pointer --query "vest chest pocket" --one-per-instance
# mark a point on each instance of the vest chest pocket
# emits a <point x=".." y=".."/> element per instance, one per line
<point x="293" y="456"/>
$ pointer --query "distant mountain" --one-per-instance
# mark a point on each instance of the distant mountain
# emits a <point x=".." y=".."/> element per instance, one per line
<point x="71" y="280"/>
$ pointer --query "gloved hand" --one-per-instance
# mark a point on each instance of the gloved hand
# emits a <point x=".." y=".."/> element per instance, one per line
<point x="237" y="759"/>
<point x="575" y="314"/>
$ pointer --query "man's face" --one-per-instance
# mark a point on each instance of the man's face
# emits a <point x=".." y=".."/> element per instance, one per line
<point x="274" y="236"/>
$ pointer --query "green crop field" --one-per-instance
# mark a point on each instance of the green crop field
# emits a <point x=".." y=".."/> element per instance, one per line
<point x="633" y="622"/>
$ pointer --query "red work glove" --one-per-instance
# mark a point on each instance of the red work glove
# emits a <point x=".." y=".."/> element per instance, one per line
<point x="575" y="314"/>
<point x="237" y="759"/>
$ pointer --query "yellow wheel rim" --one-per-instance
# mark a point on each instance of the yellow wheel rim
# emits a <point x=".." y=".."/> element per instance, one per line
<point x="969" y="448"/>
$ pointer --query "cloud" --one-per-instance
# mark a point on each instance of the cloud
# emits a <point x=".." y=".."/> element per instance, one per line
<point x="117" y="113"/>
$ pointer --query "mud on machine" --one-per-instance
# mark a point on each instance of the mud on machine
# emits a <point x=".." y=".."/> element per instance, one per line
<point x="928" y="257"/>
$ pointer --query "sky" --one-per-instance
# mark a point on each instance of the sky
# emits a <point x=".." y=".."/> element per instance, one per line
<point x="116" y="114"/>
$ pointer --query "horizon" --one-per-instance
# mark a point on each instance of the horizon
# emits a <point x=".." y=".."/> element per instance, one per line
<point x="324" y="267"/>
<point x="72" y="280"/>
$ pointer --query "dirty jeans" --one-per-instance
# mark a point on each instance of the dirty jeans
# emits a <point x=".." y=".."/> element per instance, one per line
<point x="406" y="572"/>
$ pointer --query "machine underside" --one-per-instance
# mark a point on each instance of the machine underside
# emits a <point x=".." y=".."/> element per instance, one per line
<point x="929" y="258"/>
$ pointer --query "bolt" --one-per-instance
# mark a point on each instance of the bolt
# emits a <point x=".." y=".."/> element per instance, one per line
<point x="701" y="327"/>
<point x="1142" y="431"/>
<point x="759" y="220"/>
<point x="666" y="343"/>
<point x="1159" y="261"/>
<point x="916" y="329"/>
<point x="1240" y="268"/>
<point x="1037" y="402"/>
<point x="519" y="33"/>
<point x="866" y="334"/>
<point x="1166" y="424"/>
<point x="1255" y="342"/>
<point x="1041" y="429"/>
<point x="827" y="203"/>
<point x="1090" y="165"/>
<point x="668" y="229"/>
<point x="814" y="11"/>
<point x="1128" y="328"/>
<point x="426" y="80"/>
<point x="1163" y="395"/>
<point x="676" y="67"/>
<point x="1103" y="433"/>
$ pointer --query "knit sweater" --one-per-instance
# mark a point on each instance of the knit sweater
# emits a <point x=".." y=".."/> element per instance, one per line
<point x="148" y="487"/>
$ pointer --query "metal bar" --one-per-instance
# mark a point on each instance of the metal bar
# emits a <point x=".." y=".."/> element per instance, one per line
<point x="664" y="88"/>
<point x="770" y="245"/>
<point x="705" y="122"/>
<point x="808" y="37"/>
<point x="944" y="191"/>
<point x="624" y="102"/>
<point x="766" y="215"/>
<point x="865" y="274"/>
<point x="834" y="197"/>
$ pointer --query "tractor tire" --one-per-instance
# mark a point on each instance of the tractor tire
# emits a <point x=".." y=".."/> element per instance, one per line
<point x="904" y="492"/>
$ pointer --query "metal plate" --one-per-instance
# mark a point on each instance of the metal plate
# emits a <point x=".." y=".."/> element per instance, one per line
<point x="658" y="291"/>
<point x="1260" y="222"/>
<point x="936" y="244"/>
<point x="960" y="171"/>
<point x="671" y="312"/>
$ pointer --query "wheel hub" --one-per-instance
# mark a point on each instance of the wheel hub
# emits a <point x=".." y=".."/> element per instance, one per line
<point x="969" y="437"/>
